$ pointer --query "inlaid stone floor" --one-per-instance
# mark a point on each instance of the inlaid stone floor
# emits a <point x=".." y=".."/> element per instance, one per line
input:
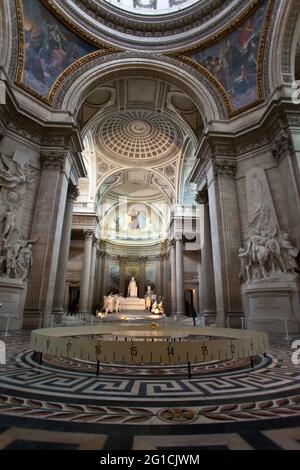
<point x="62" y="404"/>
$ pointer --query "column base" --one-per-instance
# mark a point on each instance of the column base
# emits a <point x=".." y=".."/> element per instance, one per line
<point x="210" y="318"/>
<point x="58" y="313"/>
<point x="33" y="318"/>
<point x="12" y="299"/>
<point x="234" y="320"/>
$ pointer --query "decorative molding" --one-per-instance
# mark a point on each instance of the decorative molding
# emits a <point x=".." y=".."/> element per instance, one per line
<point x="182" y="56"/>
<point x="160" y="60"/>
<point x="122" y="27"/>
<point x="68" y="71"/>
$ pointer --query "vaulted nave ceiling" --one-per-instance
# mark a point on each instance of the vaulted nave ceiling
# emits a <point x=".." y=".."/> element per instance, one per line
<point x="141" y="123"/>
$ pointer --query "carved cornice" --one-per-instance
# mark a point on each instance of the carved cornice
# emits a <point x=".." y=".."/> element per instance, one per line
<point x="126" y="28"/>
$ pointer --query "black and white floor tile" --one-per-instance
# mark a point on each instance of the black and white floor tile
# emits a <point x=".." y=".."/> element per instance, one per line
<point x="63" y="404"/>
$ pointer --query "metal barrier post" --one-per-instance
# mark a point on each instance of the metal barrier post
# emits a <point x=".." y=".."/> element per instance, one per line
<point x="286" y="328"/>
<point x="243" y="323"/>
<point x="7" y="325"/>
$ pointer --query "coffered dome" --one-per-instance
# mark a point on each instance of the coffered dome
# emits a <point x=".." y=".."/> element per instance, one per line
<point x="138" y="135"/>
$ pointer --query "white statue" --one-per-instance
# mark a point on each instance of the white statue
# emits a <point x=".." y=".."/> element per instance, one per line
<point x="132" y="288"/>
<point x="118" y="302"/>
<point x="110" y="303"/>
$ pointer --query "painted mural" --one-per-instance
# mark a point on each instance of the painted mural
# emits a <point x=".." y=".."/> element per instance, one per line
<point x="50" y="47"/>
<point x="132" y="222"/>
<point x="233" y="60"/>
<point x="113" y="281"/>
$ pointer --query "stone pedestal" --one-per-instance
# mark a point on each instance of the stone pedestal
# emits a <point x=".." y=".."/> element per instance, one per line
<point x="132" y="304"/>
<point x="267" y="302"/>
<point x="12" y="298"/>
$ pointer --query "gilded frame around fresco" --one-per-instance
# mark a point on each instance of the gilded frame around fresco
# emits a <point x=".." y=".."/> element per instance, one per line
<point x="69" y="70"/>
<point x="181" y="56"/>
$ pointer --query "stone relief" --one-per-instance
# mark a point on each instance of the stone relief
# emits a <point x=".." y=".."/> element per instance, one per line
<point x="269" y="252"/>
<point x="15" y="252"/>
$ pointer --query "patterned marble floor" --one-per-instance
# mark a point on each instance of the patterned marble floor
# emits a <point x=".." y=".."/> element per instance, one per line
<point x="62" y="404"/>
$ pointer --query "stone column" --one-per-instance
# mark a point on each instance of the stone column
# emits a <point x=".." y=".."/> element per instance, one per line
<point x="287" y="158"/>
<point x="142" y="266"/>
<point x="66" y="297"/>
<point x="173" y="276"/>
<point x="167" y="283"/>
<point x="180" y="304"/>
<point x="225" y="234"/>
<point x="122" y="267"/>
<point x="46" y="229"/>
<point x="207" y="299"/>
<point x="162" y="274"/>
<point x="92" y="278"/>
<point x="158" y="276"/>
<point x="99" y="278"/>
<point x="86" y="272"/>
<point x="61" y="277"/>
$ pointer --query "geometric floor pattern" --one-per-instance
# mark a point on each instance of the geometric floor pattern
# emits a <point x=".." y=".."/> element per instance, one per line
<point x="62" y="404"/>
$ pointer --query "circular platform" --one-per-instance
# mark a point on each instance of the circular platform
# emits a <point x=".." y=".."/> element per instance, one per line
<point x="181" y="345"/>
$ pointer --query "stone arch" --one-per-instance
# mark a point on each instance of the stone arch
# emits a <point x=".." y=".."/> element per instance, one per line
<point x="284" y="43"/>
<point x="116" y="171"/>
<point x="76" y="86"/>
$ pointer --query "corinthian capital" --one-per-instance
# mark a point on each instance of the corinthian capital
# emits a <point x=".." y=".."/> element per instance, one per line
<point x="282" y="146"/>
<point x="73" y="192"/>
<point x="53" y="160"/>
<point x="202" y="197"/>
<point x="225" y="169"/>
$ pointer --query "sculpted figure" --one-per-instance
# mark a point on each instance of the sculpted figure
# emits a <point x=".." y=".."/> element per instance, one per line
<point x="258" y="253"/>
<point x="118" y="301"/>
<point x="3" y="246"/>
<point x="24" y="261"/>
<point x="289" y="253"/>
<point x="11" y="261"/>
<point x="11" y="172"/>
<point x="9" y="222"/>
<point x="245" y="265"/>
<point x="132" y="288"/>
<point x="276" y="260"/>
